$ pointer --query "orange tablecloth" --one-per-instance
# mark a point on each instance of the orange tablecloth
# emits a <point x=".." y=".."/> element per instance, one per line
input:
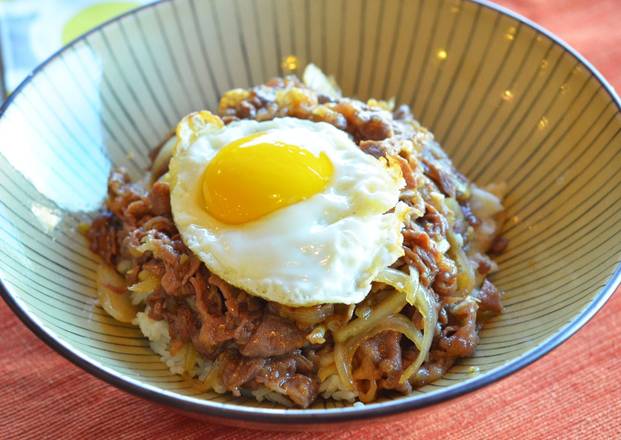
<point x="575" y="392"/>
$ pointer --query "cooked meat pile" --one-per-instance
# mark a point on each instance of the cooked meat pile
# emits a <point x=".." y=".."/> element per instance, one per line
<point x="256" y="343"/>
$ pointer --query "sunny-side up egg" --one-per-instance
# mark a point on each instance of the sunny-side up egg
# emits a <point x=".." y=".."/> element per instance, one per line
<point x="288" y="210"/>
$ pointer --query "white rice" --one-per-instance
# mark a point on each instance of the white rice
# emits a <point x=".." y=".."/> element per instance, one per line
<point x="159" y="340"/>
<point x="264" y="393"/>
<point x="331" y="388"/>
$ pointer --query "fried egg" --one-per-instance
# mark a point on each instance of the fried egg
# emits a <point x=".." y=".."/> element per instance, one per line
<point x="288" y="210"/>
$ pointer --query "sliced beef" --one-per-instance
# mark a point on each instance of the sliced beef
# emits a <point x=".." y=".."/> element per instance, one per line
<point x="274" y="336"/>
<point x="224" y="317"/>
<point x="376" y="149"/>
<point x="238" y="302"/>
<point x="237" y="371"/>
<point x="407" y="171"/>
<point x="384" y="352"/>
<point x="460" y="337"/>
<point x="157" y="306"/>
<point x="181" y="323"/>
<point x="483" y="263"/>
<point x="420" y="253"/>
<point x="499" y="245"/>
<point x="179" y="263"/>
<point x="121" y="194"/>
<point x="244" y="321"/>
<point x="437" y="364"/>
<point x="489" y="297"/>
<point x="289" y="375"/>
<point x="434" y="223"/>
<point x="364" y="122"/>
<point x="440" y="176"/>
<point x="435" y="269"/>
<point x="102" y="236"/>
<point x="162" y="224"/>
<point x="301" y="389"/>
<point x="391" y="147"/>
<point x="381" y="148"/>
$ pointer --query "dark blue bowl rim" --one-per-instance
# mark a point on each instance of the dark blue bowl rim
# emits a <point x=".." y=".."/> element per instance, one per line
<point x="262" y="416"/>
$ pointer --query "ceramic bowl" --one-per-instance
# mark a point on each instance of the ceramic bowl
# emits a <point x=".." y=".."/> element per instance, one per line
<point x="507" y="100"/>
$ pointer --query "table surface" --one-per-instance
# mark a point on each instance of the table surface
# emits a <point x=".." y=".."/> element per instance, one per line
<point x="574" y="392"/>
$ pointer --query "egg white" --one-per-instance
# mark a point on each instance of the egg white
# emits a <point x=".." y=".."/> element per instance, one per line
<point x="325" y="249"/>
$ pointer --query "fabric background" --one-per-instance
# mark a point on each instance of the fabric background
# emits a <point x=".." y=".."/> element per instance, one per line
<point x="573" y="393"/>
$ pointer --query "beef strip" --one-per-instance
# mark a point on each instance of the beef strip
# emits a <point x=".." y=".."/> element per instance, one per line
<point x="438" y="363"/>
<point x="102" y="236"/>
<point x="182" y="320"/>
<point x="235" y="323"/>
<point x="255" y="333"/>
<point x="499" y="245"/>
<point x="460" y="337"/>
<point x="159" y="197"/>
<point x="488" y="297"/>
<point x="440" y="176"/>
<point x="274" y="336"/>
<point x="237" y="371"/>
<point x="289" y="375"/>
<point x="384" y="351"/>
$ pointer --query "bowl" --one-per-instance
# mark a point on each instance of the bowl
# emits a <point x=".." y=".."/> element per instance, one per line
<point x="507" y="100"/>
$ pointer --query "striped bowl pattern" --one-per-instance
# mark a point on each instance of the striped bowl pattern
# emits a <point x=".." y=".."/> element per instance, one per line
<point x="505" y="99"/>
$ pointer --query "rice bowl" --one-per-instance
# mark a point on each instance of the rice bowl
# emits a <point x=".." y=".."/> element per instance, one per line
<point x="553" y="288"/>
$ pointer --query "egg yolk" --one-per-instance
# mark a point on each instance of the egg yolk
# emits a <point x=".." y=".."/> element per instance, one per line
<point x="248" y="179"/>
